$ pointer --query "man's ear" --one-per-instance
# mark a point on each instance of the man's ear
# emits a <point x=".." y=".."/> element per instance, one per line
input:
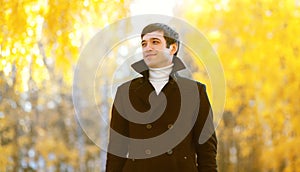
<point x="173" y="48"/>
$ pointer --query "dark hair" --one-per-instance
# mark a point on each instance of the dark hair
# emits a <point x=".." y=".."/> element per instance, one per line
<point x="170" y="35"/>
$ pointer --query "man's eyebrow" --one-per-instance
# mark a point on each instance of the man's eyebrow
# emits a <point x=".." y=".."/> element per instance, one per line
<point x="154" y="38"/>
<point x="151" y="39"/>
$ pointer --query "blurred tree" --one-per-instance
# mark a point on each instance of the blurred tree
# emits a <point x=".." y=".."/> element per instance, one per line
<point x="258" y="46"/>
<point x="40" y="43"/>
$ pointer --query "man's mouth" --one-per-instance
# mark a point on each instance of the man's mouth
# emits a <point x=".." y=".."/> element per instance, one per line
<point x="149" y="55"/>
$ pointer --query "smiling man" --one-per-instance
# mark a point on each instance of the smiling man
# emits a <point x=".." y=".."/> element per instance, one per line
<point x="156" y="52"/>
<point x="159" y="67"/>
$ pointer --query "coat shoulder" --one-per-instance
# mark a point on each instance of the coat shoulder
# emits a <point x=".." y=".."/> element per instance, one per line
<point x="134" y="83"/>
<point x="189" y="81"/>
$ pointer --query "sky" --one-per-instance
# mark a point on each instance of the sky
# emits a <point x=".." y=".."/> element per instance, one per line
<point x="164" y="7"/>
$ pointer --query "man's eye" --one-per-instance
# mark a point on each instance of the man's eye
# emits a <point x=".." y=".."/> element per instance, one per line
<point x="144" y="44"/>
<point x="155" y="42"/>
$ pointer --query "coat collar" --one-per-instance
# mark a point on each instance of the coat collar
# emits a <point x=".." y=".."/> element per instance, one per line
<point x="142" y="68"/>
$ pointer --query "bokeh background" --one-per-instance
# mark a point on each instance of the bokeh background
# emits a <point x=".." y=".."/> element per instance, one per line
<point x="257" y="42"/>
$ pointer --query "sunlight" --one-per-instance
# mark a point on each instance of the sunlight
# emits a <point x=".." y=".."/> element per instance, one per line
<point x="165" y="7"/>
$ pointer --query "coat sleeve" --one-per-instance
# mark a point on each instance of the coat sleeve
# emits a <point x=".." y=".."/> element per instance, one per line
<point x="204" y="135"/>
<point x="119" y="124"/>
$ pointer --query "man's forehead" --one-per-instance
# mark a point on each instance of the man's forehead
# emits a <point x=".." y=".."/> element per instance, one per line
<point x="155" y="34"/>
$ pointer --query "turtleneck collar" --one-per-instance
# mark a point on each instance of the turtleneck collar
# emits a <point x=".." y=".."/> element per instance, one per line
<point x="160" y="74"/>
<point x="142" y="68"/>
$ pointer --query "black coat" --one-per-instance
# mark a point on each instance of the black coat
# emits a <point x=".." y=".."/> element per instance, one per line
<point x="158" y="155"/>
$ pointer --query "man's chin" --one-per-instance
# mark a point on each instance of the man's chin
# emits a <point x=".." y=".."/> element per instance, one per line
<point x="152" y="63"/>
<point x="149" y="64"/>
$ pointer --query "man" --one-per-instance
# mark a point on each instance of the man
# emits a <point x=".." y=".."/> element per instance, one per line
<point x="139" y="112"/>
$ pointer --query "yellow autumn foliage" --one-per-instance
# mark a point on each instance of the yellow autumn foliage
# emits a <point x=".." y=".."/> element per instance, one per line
<point x="40" y="42"/>
<point x="257" y="42"/>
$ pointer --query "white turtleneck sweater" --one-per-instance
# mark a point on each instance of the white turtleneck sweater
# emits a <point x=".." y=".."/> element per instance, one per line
<point x="159" y="77"/>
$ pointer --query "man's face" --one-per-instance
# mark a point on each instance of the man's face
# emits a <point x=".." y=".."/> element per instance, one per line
<point x="155" y="51"/>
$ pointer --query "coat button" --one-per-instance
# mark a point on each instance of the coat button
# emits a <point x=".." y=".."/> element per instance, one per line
<point x="170" y="126"/>
<point x="148" y="126"/>
<point x="170" y="152"/>
<point x="148" y="151"/>
<point x="185" y="157"/>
